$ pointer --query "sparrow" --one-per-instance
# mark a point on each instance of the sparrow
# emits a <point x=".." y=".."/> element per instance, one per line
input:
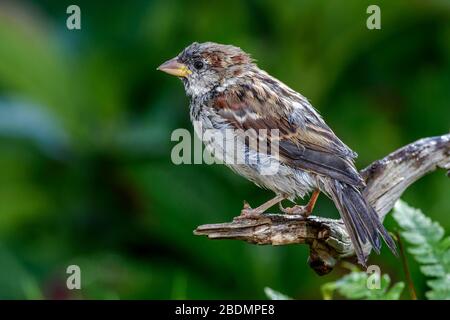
<point x="227" y="90"/>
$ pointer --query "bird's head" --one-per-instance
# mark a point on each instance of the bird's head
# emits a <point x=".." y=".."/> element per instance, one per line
<point x="205" y="66"/>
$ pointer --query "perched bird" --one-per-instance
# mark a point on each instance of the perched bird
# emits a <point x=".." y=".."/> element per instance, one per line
<point x="227" y="90"/>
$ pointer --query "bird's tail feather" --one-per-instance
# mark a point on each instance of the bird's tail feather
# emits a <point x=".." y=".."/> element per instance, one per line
<point x="360" y="219"/>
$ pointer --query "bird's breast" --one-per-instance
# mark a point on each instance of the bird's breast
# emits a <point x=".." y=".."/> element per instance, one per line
<point x="265" y="170"/>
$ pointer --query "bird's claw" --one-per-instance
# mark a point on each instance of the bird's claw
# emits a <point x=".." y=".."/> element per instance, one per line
<point x="299" y="210"/>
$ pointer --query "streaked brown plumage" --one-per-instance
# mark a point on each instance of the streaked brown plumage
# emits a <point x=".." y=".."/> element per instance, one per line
<point x="228" y="91"/>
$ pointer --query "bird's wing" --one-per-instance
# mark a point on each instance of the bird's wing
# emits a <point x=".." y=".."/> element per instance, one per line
<point x="305" y="141"/>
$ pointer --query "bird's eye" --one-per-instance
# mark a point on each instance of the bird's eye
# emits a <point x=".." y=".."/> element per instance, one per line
<point x="198" y="64"/>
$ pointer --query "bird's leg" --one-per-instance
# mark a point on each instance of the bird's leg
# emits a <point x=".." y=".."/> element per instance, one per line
<point x="248" y="213"/>
<point x="303" y="210"/>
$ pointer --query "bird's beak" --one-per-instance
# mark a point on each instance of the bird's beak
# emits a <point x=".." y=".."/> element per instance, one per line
<point x="174" y="68"/>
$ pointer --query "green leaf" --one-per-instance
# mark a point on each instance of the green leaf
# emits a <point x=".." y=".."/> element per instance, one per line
<point x="428" y="246"/>
<point x="275" y="295"/>
<point x="356" y="285"/>
<point x="395" y="292"/>
<point x="434" y="270"/>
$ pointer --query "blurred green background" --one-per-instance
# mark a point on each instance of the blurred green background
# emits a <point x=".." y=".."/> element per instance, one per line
<point x="85" y="124"/>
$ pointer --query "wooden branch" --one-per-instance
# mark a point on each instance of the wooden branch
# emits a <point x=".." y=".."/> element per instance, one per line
<point x="386" y="180"/>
